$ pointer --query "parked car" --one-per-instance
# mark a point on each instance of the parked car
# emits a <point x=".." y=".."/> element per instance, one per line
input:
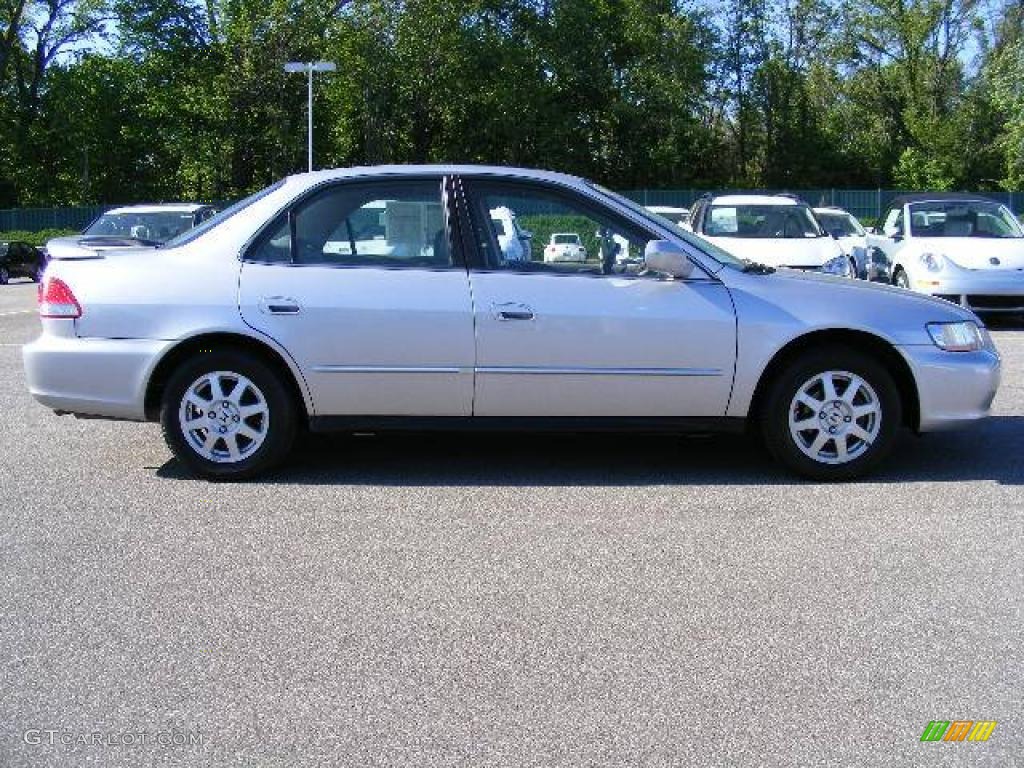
<point x="866" y="262"/>
<point x="516" y="243"/>
<point x="777" y="230"/>
<point x="678" y="216"/>
<point x="960" y="247"/>
<point x="135" y="226"/>
<point x="565" y="246"/>
<point x="19" y="259"/>
<point x="827" y="369"/>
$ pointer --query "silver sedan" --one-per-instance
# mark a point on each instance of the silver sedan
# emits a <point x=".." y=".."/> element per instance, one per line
<point x="381" y="298"/>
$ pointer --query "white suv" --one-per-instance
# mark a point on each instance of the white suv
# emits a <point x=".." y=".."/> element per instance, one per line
<point x="776" y="230"/>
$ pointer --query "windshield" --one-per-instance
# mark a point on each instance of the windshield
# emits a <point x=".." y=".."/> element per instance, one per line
<point x="155" y="227"/>
<point x="963" y="218"/>
<point x="699" y="244"/>
<point x="565" y="239"/>
<point x="761" y="221"/>
<point x="842" y="224"/>
<point x="191" y="234"/>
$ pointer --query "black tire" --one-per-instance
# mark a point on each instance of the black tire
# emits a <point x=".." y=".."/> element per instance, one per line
<point x="900" y="279"/>
<point x="854" y="271"/>
<point x="282" y="415"/>
<point x="780" y="402"/>
<point x="5" y="276"/>
<point x="37" y="274"/>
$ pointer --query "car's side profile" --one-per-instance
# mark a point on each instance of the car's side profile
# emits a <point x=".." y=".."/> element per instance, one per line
<point x="960" y="247"/>
<point x="18" y="259"/>
<point x="429" y="324"/>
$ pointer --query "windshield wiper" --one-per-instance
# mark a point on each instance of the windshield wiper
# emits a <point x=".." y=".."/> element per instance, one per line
<point x="755" y="268"/>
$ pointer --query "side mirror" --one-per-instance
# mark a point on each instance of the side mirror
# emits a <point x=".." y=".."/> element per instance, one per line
<point x="666" y="257"/>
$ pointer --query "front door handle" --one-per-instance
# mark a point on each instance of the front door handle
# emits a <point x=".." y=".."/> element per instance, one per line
<point x="279" y="305"/>
<point x="512" y="311"/>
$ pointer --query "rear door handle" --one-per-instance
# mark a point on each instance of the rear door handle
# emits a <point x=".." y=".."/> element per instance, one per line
<point x="512" y="311"/>
<point x="279" y="305"/>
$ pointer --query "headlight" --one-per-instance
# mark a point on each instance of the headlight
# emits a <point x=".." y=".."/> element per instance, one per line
<point x="957" y="337"/>
<point x="933" y="261"/>
<point x="840" y="265"/>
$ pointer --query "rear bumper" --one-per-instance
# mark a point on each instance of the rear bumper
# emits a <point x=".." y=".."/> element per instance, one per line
<point x="94" y="377"/>
<point x="954" y="388"/>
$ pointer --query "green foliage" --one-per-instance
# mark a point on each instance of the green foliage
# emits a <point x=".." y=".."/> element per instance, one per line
<point x="186" y="100"/>
<point x="35" y="238"/>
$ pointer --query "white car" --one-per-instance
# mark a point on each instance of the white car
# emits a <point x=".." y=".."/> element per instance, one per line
<point x="134" y="226"/>
<point x="257" y="324"/>
<point x="678" y="216"/>
<point x="776" y="230"/>
<point x="959" y="247"/>
<point x="565" y="246"/>
<point x="516" y="243"/>
<point x="868" y="263"/>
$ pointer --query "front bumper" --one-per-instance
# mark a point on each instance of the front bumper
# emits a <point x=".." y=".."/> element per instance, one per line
<point x="92" y="377"/>
<point x="954" y="388"/>
<point x="981" y="291"/>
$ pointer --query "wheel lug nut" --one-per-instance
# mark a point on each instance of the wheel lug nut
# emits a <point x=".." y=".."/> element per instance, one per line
<point x="236" y="418"/>
<point x="847" y="419"/>
<point x="831" y="430"/>
<point x="212" y="414"/>
<point x="821" y="415"/>
<point x="225" y="429"/>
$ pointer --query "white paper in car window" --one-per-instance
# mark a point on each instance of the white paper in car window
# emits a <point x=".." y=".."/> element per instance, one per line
<point x="723" y="220"/>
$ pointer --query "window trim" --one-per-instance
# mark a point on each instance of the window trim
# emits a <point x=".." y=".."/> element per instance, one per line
<point x="294" y="205"/>
<point x="475" y="258"/>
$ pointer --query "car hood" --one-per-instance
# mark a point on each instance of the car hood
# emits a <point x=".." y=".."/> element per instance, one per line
<point x="788" y="252"/>
<point x="823" y="301"/>
<point x="976" y="252"/>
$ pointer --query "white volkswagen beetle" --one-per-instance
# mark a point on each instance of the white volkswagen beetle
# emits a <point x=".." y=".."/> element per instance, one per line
<point x="959" y="247"/>
<point x="382" y="298"/>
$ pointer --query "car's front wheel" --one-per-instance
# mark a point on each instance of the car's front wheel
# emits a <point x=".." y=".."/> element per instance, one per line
<point x="901" y="279"/>
<point x="227" y="416"/>
<point x="5" y="276"/>
<point x="832" y="414"/>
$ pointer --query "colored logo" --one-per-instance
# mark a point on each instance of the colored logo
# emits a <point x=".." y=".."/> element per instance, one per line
<point x="958" y="730"/>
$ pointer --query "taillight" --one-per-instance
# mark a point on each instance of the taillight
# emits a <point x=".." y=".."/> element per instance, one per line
<point x="57" y="300"/>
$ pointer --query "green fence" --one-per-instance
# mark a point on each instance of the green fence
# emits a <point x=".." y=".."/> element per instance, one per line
<point x="865" y="204"/>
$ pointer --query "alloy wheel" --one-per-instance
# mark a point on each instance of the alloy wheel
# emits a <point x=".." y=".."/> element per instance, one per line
<point x="224" y="417"/>
<point x="835" y="417"/>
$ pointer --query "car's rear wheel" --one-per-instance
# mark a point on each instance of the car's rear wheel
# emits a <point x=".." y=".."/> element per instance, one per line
<point x="833" y="414"/>
<point x="5" y="276"/>
<point x="37" y="275"/>
<point x="227" y="416"/>
<point x="901" y="279"/>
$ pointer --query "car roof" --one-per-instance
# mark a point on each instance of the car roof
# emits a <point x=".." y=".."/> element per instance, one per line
<point x="160" y="208"/>
<point x="666" y="209"/>
<point x="832" y="209"/>
<point x="435" y="170"/>
<point x="938" y="197"/>
<point x="754" y="200"/>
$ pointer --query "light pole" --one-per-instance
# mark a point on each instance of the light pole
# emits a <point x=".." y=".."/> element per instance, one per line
<point x="310" y="67"/>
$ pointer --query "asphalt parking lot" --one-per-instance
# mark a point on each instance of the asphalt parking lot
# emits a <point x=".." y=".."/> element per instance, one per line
<point x="496" y="600"/>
